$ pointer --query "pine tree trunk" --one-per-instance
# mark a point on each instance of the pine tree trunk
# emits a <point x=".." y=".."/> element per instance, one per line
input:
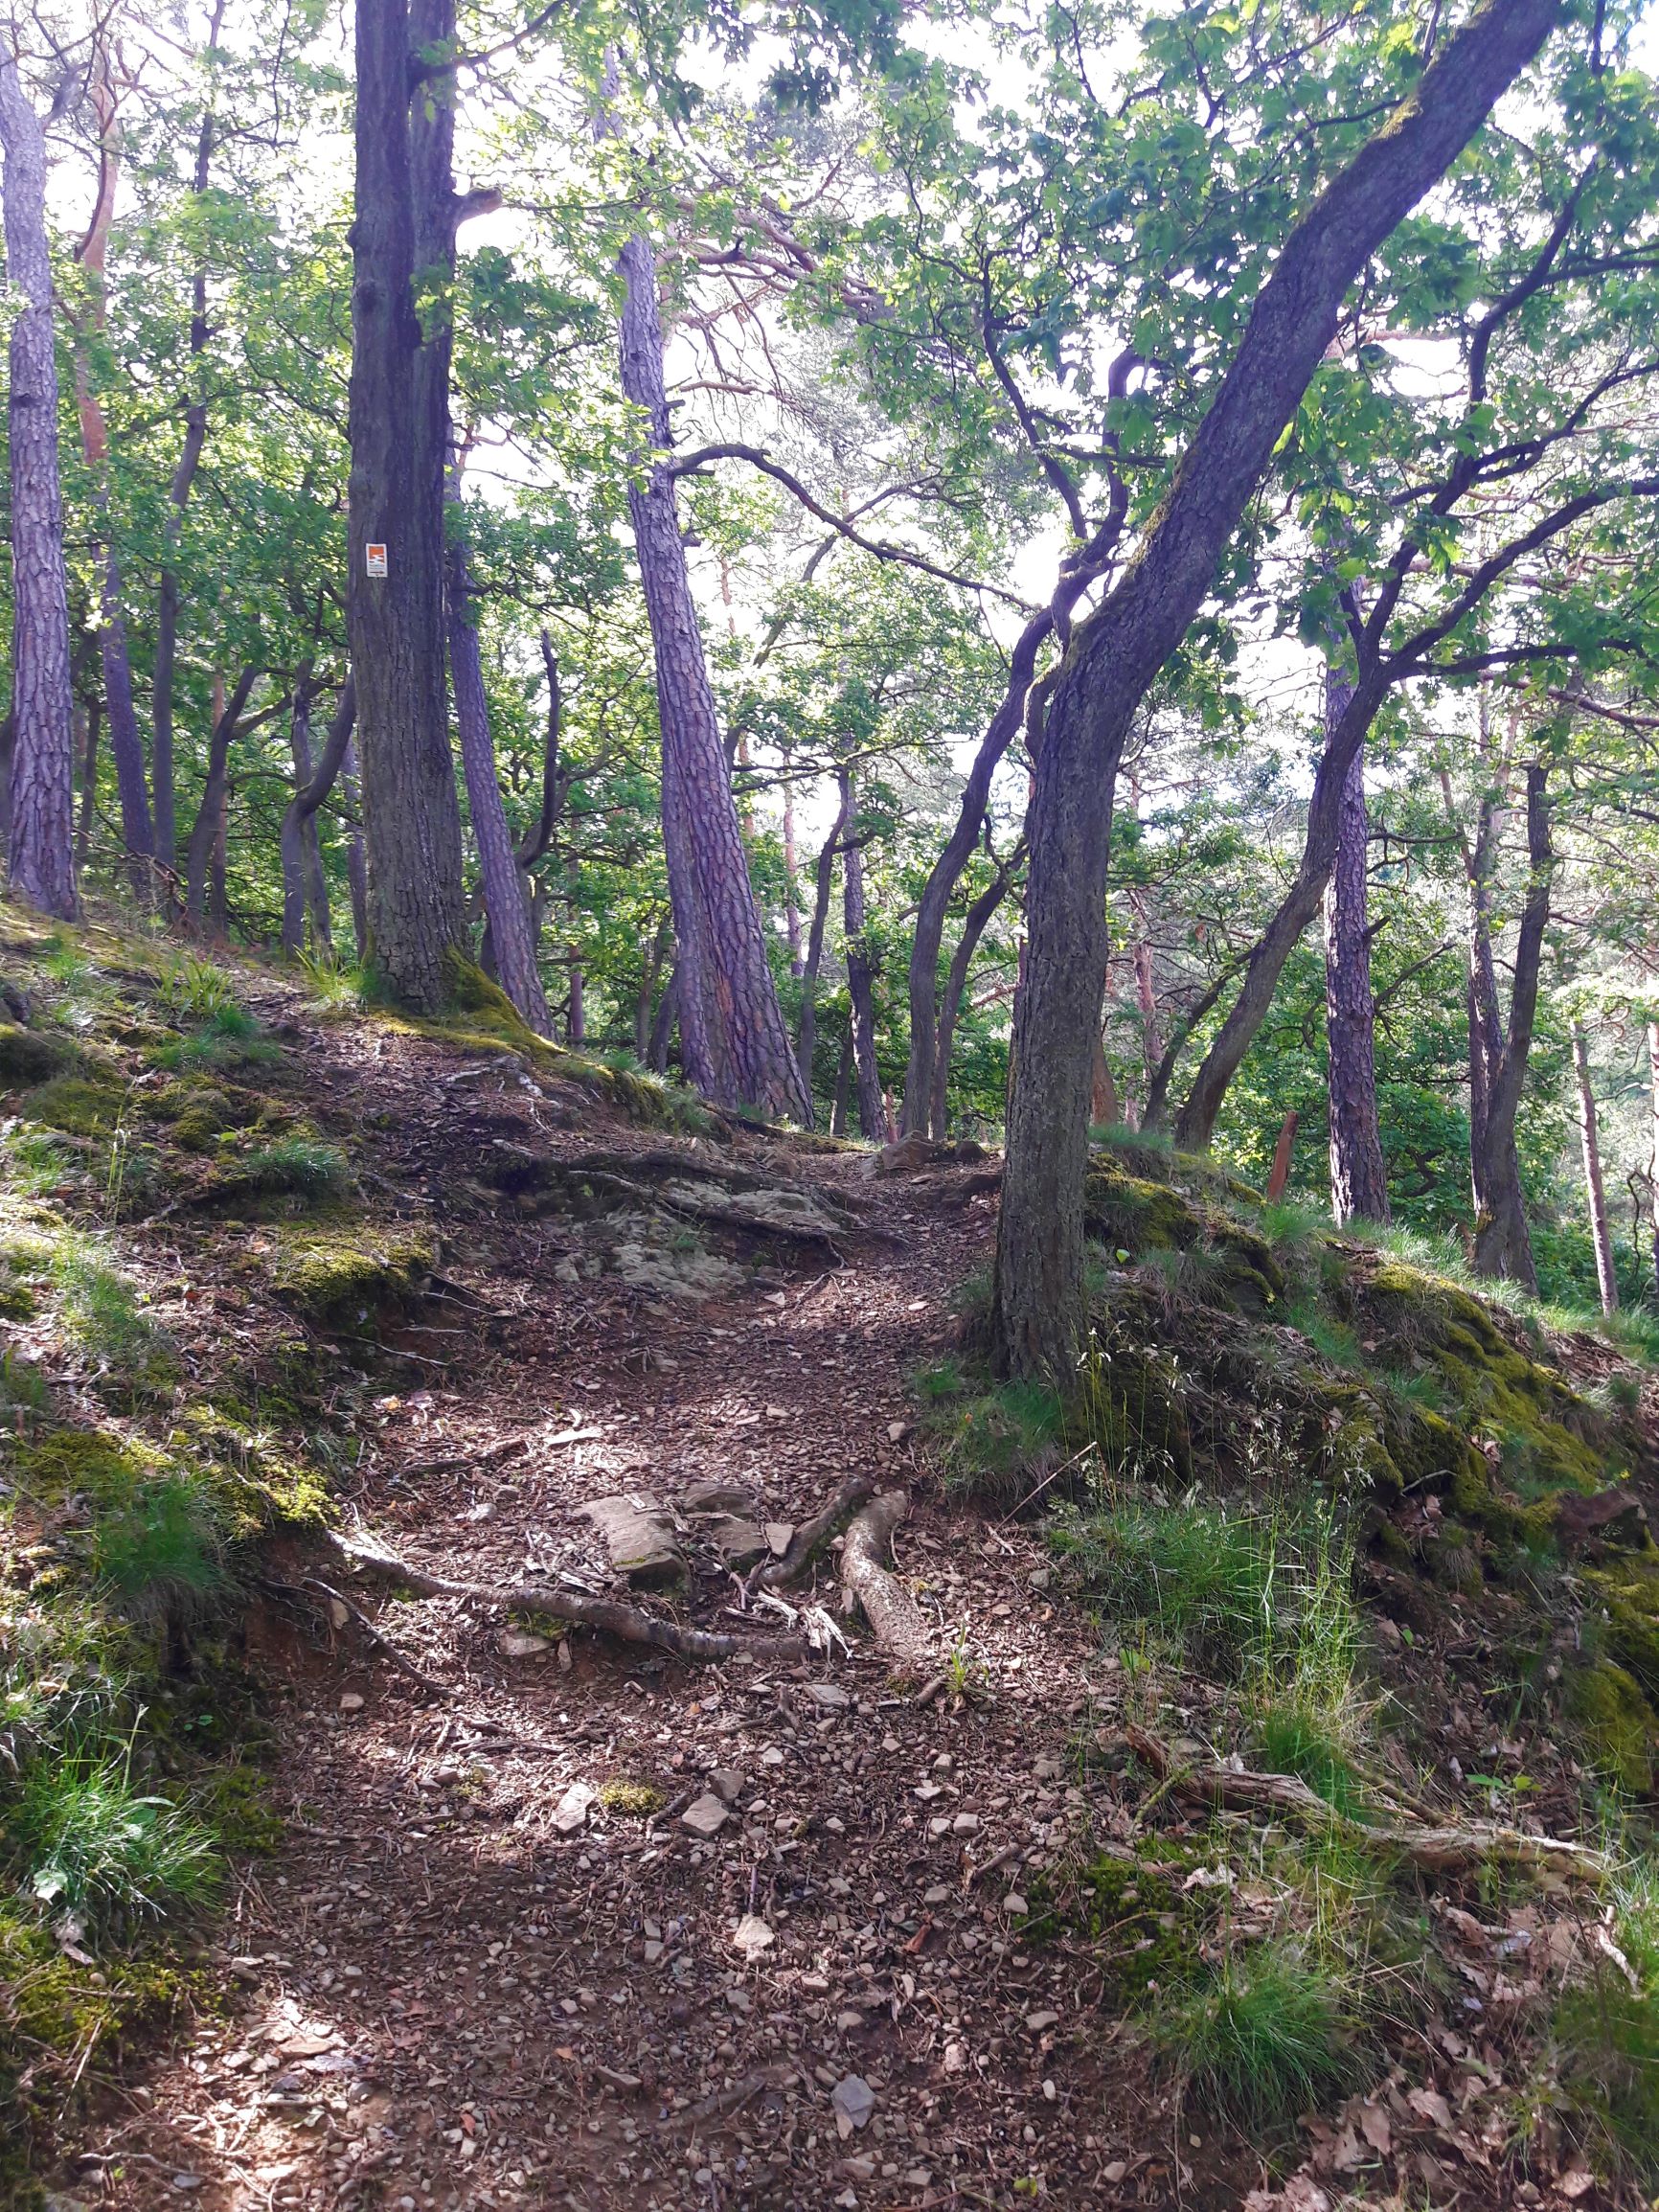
<point x="126" y="747"/>
<point x="304" y="886"/>
<point x="42" y="858"/>
<point x="1589" y="1139"/>
<point x="403" y="232"/>
<point x="663" y="1023"/>
<point x="1653" y="1157"/>
<point x="843" y="1088"/>
<point x="195" y="428"/>
<point x="84" y="723"/>
<point x="207" y="829"/>
<point x="512" y="944"/>
<point x="732" y="1041"/>
<point x="860" y="979"/>
<point x="1359" y="1176"/>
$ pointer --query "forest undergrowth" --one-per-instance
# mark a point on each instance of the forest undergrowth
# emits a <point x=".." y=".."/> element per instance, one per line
<point x="1262" y="1815"/>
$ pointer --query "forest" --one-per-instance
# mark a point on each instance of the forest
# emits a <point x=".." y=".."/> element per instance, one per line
<point x="857" y="793"/>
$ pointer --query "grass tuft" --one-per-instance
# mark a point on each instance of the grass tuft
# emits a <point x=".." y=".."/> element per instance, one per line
<point x="94" y="1847"/>
<point x="1261" y="2039"/>
<point x="161" y="1555"/>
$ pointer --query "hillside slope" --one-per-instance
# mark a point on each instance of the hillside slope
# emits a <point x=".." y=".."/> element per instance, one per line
<point x="1327" y="1557"/>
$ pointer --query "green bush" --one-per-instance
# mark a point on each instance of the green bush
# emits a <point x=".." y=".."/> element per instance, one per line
<point x="161" y="1555"/>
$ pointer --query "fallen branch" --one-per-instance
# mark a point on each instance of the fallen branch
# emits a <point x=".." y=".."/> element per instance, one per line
<point x="900" y="1624"/>
<point x="375" y="1637"/>
<point x="627" y="1623"/>
<point x="1435" y="1850"/>
<point x="777" y="1574"/>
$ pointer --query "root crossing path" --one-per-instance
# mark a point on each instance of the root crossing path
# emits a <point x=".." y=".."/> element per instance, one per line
<point x="558" y="1922"/>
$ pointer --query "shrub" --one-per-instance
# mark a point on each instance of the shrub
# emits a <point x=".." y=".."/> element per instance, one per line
<point x="1261" y="2039"/>
<point x="197" y="987"/>
<point x="301" y="1166"/>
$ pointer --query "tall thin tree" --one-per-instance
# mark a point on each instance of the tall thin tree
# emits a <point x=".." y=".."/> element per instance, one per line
<point x="42" y="859"/>
<point x="1359" y="1176"/>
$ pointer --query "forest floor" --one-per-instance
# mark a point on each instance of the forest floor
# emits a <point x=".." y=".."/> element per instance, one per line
<point x="488" y="1963"/>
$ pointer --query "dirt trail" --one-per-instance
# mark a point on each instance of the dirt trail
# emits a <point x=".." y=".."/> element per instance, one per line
<point x="457" y="1985"/>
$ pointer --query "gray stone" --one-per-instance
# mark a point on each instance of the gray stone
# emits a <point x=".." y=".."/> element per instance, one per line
<point x="705" y="1815"/>
<point x="638" y="1535"/>
<point x="854" y="2101"/>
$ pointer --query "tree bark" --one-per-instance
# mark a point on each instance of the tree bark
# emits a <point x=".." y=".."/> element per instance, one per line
<point x="85" y="718"/>
<point x="973" y="928"/>
<point x="1114" y="653"/>
<point x="1502" y="1244"/>
<point x="843" y="1088"/>
<point x="305" y="890"/>
<point x="42" y="856"/>
<point x="806" y="1042"/>
<point x="791" y="904"/>
<point x="860" y="979"/>
<point x="733" y="1043"/>
<point x="356" y="866"/>
<point x="1654" y="1159"/>
<point x="1359" y="1176"/>
<point x="1283" y="1154"/>
<point x="195" y="426"/>
<point x="126" y="747"/>
<point x="1589" y="1139"/>
<point x="662" y="1025"/>
<point x="921" y="1076"/>
<point x="511" y="937"/>
<point x="403" y="233"/>
<point x="206" y="830"/>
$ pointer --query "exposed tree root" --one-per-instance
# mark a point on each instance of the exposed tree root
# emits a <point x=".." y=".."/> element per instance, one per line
<point x="627" y="1623"/>
<point x="899" y="1626"/>
<point x="1435" y="1850"/>
<point x="809" y="1538"/>
<point x="376" y="1637"/>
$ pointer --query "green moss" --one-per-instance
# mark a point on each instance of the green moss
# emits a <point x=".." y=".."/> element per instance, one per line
<point x="348" y="1281"/>
<point x="632" y="1800"/>
<point x="258" y="1484"/>
<point x="1131" y="1215"/>
<point x="88" y="1463"/>
<point x="1143" y="1928"/>
<point x="79" y="1106"/>
<point x="1615" y="1722"/>
<point x="202" y="1112"/>
<point x="1628" y="1594"/>
<point x="28" y="1056"/>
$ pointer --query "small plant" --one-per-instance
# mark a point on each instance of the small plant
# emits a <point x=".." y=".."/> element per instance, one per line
<point x="197" y="989"/>
<point x="998" y="1446"/>
<point x="228" y="1037"/>
<point x="1607" y="2024"/>
<point x="304" y="1166"/>
<point x="161" y="1555"/>
<point x="1261" y="2039"/>
<point x="335" y="986"/>
<point x="22" y="1390"/>
<point x="1202" y="1574"/>
<point x="96" y="1849"/>
<point x="939" y="1383"/>
<point x="101" y="1314"/>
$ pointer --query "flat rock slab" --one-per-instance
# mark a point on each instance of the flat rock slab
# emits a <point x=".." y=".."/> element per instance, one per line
<point x="705" y="1815"/>
<point x="727" y="1516"/>
<point x="638" y="1534"/>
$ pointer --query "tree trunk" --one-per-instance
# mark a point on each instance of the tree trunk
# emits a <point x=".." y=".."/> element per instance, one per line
<point x="860" y="979"/>
<point x="1283" y="1152"/>
<point x="576" y="1028"/>
<point x="511" y="939"/>
<point x="663" y="1025"/>
<point x="650" y="975"/>
<point x="1115" y="655"/>
<point x="1607" y="1279"/>
<point x="1502" y="1244"/>
<point x="205" y="832"/>
<point x="304" y="888"/>
<point x="921" y="1076"/>
<point x="843" y="1088"/>
<point x="126" y="747"/>
<point x="791" y="904"/>
<point x="196" y="425"/>
<point x="1358" y="1178"/>
<point x="806" y="1043"/>
<point x="403" y="234"/>
<point x="42" y="858"/>
<point x="356" y="866"/>
<point x="732" y="1041"/>
<point x="85" y="720"/>
<point x="1654" y="1159"/>
<point x="973" y="928"/>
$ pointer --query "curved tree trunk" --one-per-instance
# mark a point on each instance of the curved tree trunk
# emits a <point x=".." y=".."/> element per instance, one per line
<point x="1358" y="1178"/>
<point x="973" y="928"/>
<point x="42" y="859"/>
<point x="511" y="938"/>
<point x="1502" y="1244"/>
<point x="304" y="889"/>
<point x="732" y="1041"/>
<point x="860" y="979"/>
<point x="402" y="233"/>
<point x="1590" y="1143"/>
<point x="921" y="1076"/>
<point x="807" y="1043"/>
<point x="1038" y="1314"/>
<point x="207" y="829"/>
